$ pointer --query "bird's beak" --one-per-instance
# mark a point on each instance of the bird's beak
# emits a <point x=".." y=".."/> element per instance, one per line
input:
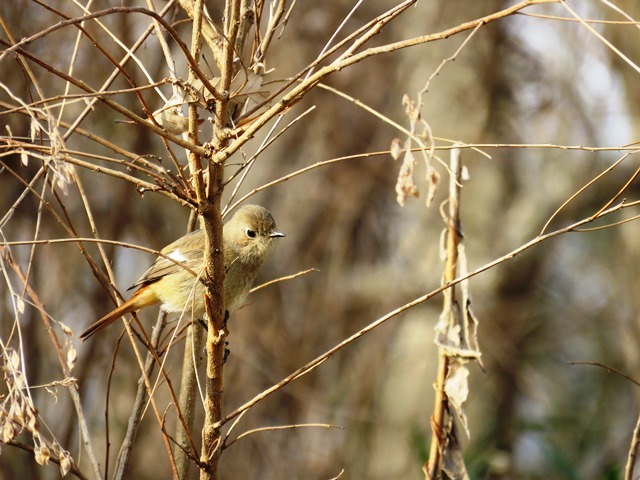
<point x="277" y="234"/>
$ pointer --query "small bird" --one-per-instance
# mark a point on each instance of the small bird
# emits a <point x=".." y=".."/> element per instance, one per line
<point x="248" y="237"/>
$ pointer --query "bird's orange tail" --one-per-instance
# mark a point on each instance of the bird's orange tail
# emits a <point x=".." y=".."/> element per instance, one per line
<point x="144" y="297"/>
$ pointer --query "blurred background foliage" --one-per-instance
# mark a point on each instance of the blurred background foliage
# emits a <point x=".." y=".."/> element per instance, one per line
<point x="521" y="80"/>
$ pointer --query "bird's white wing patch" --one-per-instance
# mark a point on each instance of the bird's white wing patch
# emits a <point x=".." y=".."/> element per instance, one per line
<point x="177" y="256"/>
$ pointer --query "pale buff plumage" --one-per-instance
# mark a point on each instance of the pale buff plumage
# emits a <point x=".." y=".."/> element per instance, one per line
<point x="248" y="237"/>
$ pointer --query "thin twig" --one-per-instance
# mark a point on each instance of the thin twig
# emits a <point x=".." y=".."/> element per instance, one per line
<point x="276" y="428"/>
<point x="599" y="36"/>
<point x="582" y="189"/>
<point x="575" y="20"/>
<point x="609" y="369"/>
<point x="283" y="279"/>
<point x="608" y="225"/>
<point x="633" y="452"/>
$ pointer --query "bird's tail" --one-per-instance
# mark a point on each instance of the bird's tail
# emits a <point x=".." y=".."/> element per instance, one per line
<point x="144" y="297"/>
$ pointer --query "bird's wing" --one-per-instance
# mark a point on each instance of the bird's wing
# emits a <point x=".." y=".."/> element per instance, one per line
<point x="186" y="251"/>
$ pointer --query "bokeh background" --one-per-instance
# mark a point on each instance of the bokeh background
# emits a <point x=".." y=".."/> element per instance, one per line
<point x="521" y="80"/>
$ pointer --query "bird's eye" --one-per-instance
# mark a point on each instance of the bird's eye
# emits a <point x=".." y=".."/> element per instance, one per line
<point x="250" y="233"/>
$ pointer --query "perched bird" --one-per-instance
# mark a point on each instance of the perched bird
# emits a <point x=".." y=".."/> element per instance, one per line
<point x="248" y="237"/>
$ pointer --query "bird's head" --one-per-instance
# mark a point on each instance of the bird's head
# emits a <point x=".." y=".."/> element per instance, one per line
<point x="251" y="233"/>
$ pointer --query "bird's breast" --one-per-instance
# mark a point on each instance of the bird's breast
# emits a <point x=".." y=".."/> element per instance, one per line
<point x="237" y="283"/>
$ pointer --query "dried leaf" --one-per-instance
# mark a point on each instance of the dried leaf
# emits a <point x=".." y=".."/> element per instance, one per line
<point x="20" y="305"/>
<point x="66" y="330"/>
<point x="448" y="327"/>
<point x="24" y="158"/>
<point x="31" y="416"/>
<point x="410" y="109"/>
<point x="14" y="359"/>
<point x="456" y="386"/>
<point x="34" y="128"/>
<point x="433" y="180"/>
<point x="66" y="462"/>
<point x="53" y="392"/>
<point x="248" y="88"/>
<point x="42" y="454"/>
<point x="18" y="380"/>
<point x="453" y="460"/>
<point x="72" y="357"/>
<point x="64" y="173"/>
<point x="470" y="321"/>
<point x="8" y="432"/>
<point x="450" y="333"/>
<point x="405" y="186"/>
<point x="19" y="414"/>
<point x="464" y="174"/>
<point x="64" y="457"/>
<point x="396" y="148"/>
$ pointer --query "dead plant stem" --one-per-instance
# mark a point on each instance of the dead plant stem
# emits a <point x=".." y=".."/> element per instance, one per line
<point x="433" y="466"/>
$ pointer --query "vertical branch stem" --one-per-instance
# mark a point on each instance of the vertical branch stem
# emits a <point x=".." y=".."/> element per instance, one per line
<point x="214" y="275"/>
<point x="214" y="260"/>
<point x="193" y="345"/>
<point x="194" y="160"/>
<point x="192" y="359"/>
<point x="434" y="463"/>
